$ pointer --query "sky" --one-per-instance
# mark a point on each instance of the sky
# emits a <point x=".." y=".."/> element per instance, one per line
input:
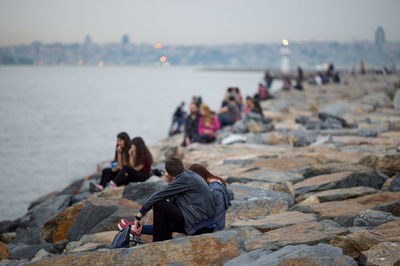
<point x="196" y="22"/>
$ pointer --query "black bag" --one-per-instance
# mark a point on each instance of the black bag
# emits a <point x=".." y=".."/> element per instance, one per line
<point x="122" y="239"/>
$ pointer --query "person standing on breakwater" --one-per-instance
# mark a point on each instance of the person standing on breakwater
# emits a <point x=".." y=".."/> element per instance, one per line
<point x="191" y="126"/>
<point x="139" y="168"/>
<point x="229" y="114"/>
<point x="221" y="196"/>
<point x="208" y="125"/>
<point x="190" y="209"/>
<point x="121" y="159"/>
<point x="178" y="118"/>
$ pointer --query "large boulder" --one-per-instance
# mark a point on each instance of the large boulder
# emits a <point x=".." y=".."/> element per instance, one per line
<point x="253" y="203"/>
<point x="345" y="211"/>
<point x="140" y="192"/>
<point x="341" y="180"/>
<point x="361" y="240"/>
<point x="321" y="254"/>
<point x="265" y="175"/>
<point x="302" y="233"/>
<point x="386" y="253"/>
<point x="275" y="221"/>
<point x="40" y="213"/>
<point x="207" y="249"/>
<point x="338" y="194"/>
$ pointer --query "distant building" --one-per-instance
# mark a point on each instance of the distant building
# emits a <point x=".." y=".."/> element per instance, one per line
<point x="125" y="39"/>
<point x="88" y="40"/>
<point x="379" y="38"/>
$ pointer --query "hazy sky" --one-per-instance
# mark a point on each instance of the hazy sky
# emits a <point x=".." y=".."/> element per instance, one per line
<point x="196" y="22"/>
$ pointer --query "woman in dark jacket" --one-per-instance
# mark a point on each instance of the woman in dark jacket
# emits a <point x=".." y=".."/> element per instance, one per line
<point x="221" y="197"/>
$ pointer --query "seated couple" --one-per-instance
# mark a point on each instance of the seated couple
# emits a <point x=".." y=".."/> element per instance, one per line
<point x="194" y="202"/>
<point x="132" y="163"/>
<point x="200" y="127"/>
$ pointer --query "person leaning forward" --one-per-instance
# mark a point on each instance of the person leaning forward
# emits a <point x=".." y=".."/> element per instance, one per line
<point x="185" y="205"/>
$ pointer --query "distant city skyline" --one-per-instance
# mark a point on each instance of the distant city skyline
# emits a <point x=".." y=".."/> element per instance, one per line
<point x="206" y="22"/>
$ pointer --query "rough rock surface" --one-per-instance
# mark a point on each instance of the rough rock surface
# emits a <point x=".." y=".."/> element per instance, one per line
<point x="361" y="240"/>
<point x="302" y="233"/>
<point x="274" y="221"/>
<point x="320" y="254"/>
<point x="211" y="249"/>
<point x="338" y="194"/>
<point x="385" y="254"/>
<point x="371" y="218"/>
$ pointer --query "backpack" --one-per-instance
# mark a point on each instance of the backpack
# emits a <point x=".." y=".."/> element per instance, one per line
<point x="122" y="239"/>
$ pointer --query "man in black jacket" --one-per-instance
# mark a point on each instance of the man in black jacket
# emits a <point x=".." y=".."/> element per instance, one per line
<point x="190" y="209"/>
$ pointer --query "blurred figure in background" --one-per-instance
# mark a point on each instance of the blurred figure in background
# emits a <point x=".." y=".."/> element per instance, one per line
<point x="191" y="125"/>
<point x="268" y="79"/>
<point x="178" y="119"/>
<point x="208" y="125"/>
<point x="230" y="113"/>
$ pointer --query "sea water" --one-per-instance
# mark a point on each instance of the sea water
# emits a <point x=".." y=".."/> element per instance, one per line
<point x="57" y="123"/>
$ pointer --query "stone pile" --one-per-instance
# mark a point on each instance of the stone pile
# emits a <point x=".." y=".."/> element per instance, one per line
<point x="316" y="182"/>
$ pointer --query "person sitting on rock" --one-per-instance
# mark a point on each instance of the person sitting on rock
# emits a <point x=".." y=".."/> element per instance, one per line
<point x="208" y="125"/>
<point x="229" y="114"/>
<point x="191" y="126"/>
<point x="189" y="210"/>
<point x="221" y="196"/>
<point x="121" y="159"/>
<point x="252" y="106"/>
<point x="139" y="168"/>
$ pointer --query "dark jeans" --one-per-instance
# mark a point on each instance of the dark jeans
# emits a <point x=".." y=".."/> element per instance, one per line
<point x="204" y="138"/>
<point x="225" y="119"/>
<point x="129" y="174"/>
<point x="107" y="175"/>
<point x="168" y="218"/>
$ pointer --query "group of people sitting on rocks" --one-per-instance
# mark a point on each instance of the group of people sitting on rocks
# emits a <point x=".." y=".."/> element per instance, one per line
<point x="193" y="202"/>
<point x="201" y="124"/>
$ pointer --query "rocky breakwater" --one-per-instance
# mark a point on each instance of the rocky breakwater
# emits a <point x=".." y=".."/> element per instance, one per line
<point x="316" y="182"/>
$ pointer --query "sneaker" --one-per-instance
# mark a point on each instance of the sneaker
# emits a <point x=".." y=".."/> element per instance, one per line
<point x="110" y="185"/>
<point x="122" y="225"/>
<point x="95" y="187"/>
<point x="136" y="241"/>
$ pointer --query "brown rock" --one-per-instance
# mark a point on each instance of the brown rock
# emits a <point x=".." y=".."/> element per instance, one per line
<point x="285" y="163"/>
<point x="321" y="182"/>
<point x="208" y="249"/>
<point x="7" y="237"/>
<point x="286" y="187"/>
<point x="302" y="233"/>
<point x="311" y="200"/>
<point x="56" y="228"/>
<point x="362" y="240"/>
<point x="338" y="194"/>
<point x="345" y="211"/>
<point x="386" y="186"/>
<point x="389" y="164"/>
<point x="275" y="221"/>
<point x="384" y="254"/>
<point x="4" y="254"/>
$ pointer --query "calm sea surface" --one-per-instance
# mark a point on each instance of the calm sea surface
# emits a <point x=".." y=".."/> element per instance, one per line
<point x="56" y="123"/>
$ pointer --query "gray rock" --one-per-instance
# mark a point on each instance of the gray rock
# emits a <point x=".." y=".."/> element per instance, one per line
<point x="395" y="184"/>
<point x="31" y="236"/>
<point x="326" y="116"/>
<point x="396" y="100"/>
<point x="249" y="258"/>
<point x="79" y="197"/>
<point x="256" y="138"/>
<point x="302" y="120"/>
<point x="139" y="192"/>
<point x="88" y="218"/>
<point x="238" y="162"/>
<point x="24" y="251"/>
<point x="240" y="127"/>
<point x="369" y="133"/>
<point x="268" y="175"/>
<point x="370" y="218"/>
<point x="321" y="254"/>
<point x="40" y="255"/>
<point x="39" y="214"/>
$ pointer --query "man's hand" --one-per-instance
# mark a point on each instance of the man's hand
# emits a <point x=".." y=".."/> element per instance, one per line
<point x="137" y="228"/>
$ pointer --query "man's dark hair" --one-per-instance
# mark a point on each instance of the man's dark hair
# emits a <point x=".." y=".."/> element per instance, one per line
<point x="174" y="166"/>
